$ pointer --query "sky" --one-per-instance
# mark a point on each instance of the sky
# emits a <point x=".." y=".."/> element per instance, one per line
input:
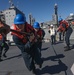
<point x="41" y="10"/>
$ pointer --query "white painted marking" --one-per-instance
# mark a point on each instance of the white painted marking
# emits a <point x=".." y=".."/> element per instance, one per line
<point x="72" y="69"/>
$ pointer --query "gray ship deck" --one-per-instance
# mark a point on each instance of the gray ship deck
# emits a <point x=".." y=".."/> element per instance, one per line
<point x="14" y="64"/>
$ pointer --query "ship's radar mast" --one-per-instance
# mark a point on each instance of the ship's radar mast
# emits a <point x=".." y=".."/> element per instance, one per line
<point x="11" y="3"/>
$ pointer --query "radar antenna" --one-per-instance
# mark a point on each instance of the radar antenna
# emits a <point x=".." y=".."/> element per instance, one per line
<point x="11" y="3"/>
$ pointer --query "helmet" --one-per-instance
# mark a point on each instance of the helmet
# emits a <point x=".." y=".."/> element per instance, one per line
<point x="36" y="25"/>
<point x="19" y="19"/>
<point x="51" y="25"/>
<point x="60" y="19"/>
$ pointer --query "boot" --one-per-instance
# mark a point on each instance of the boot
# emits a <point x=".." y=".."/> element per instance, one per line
<point x="1" y="59"/>
<point x="5" y="51"/>
<point x="41" y="64"/>
<point x="65" y="46"/>
<point x="67" y="49"/>
<point x="4" y="55"/>
<point x="34" y="70"/>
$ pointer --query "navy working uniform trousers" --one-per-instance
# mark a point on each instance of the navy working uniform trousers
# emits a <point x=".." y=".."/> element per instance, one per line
<point x="5" y="46"/>
<point x="30" y="53"/>
<point x="67" y="36"/>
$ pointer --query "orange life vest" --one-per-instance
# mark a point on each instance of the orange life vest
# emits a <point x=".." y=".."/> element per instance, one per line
<point x="61" y="27"/>
<point x="23" y="38"/>
<point x="1" y="37"/>
<point x="39" y="32"/>
<point x="6" y="27"/>
<point x="1" y="25"/>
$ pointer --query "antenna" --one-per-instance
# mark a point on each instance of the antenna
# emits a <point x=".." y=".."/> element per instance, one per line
<point x="11" y="3"/>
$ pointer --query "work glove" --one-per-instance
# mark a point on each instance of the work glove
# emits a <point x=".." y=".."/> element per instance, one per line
<point x="39" y="37"/>
<point x="2" y="44"/>
<point x="31" y="38"/>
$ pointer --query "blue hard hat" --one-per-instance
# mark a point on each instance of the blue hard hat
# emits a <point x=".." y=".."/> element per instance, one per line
<point x="60" y="19"/>
<point x="19" y="19"/>
<point x="36" y="25"/>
